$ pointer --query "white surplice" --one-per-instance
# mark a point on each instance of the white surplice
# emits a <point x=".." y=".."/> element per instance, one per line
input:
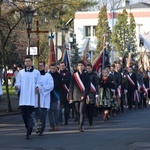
<point x="46" y="87"/>
<point x="1" y="92"/>
<point x="27" y="82"/>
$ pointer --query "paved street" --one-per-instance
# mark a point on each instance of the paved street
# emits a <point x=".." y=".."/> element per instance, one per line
<point x="127" y="131"/>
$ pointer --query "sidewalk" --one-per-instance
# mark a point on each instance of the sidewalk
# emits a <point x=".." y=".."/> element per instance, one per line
<point x="4" y="105"/>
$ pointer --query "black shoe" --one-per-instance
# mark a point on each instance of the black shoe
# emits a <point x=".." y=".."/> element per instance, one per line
<point x="41" y="134"/>
<point x="66" y="123"/>
<point x="81" y="130"/>
<point x="27" y="137"/>
<point x="75" y="119"/>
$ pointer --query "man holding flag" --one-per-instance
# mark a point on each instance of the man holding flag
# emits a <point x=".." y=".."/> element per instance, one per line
<point x="66" y="76"/>
<point x="93" y="94"/>
<point x="132" y="94"/>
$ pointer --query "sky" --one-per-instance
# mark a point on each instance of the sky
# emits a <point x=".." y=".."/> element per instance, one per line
<point x="136" y="1"/>
<point x="109" y="3"/>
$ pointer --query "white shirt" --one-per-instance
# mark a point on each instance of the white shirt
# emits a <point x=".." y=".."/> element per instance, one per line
<point x="45" y="89"/>
<point x="27" y="82"/>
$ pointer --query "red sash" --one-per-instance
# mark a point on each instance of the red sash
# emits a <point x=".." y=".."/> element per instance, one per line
<point x="92" y="88"/>
<point x="130" y="80"/>
<point x="65" y="88"/>
<point x="119" y="91"/>
<point x="79" y="82"/>
<point x="136" y="96"/>
<point x="143" y="88"/>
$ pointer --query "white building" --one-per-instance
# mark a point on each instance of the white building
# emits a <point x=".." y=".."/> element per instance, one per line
<point x="85" y="24"/>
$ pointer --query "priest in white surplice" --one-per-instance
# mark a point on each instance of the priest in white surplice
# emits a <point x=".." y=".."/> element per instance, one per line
<point x="46" y="87"/>
<point x="28" y="81"/>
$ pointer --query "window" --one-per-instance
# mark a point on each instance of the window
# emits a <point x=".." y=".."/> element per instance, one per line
<point x="94" y="30"/>
<point x="87" y="30"/>
<point x="90" y="31"/>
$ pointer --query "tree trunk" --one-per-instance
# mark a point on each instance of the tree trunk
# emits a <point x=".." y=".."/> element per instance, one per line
<point x="2" y="49"/>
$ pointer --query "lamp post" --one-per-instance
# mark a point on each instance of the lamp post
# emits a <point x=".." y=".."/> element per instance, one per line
<point x="28" y="15"/>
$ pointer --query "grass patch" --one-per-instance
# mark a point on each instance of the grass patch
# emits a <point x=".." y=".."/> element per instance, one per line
<point x="11" y="90"/>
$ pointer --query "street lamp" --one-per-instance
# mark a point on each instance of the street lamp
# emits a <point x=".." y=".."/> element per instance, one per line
<point x="28" y="15"/>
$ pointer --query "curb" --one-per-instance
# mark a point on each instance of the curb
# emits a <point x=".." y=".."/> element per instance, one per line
<point x="2" y="114"/>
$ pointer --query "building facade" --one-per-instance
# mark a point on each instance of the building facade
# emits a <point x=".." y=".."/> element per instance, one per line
<point x="85" y="24"/>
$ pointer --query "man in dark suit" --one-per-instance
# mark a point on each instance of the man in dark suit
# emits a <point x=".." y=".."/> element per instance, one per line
<point x="131" y="86"/>
<point x="116" y="78"/>
<point x="53" y="112"/>
<point x="66" y="76"/>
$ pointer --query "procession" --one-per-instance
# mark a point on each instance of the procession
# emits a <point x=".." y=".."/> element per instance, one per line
<point x="56" y="94"/>
<point x="77" y="73"/>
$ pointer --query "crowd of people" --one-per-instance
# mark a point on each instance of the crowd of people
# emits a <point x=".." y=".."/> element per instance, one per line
<point x="83" y="92"/>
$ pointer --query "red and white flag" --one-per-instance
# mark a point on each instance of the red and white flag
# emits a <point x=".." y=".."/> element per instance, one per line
<point x="51" y="57"/>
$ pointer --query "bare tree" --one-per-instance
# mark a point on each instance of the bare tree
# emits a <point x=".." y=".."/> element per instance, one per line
<point x="10" y="16"/>
<point x="110" y="4"/>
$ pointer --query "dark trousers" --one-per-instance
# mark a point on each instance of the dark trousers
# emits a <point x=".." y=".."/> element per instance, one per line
<point x="26" y="112"/>
<point x="122" y="102"/>
<point x="53" y="115"/>
<point x="66" y="111"/>
<point x="41" y="114"/>
<point x="90" y="112"/>
<point x="66" y="107"/>
<point x="80" y="107"/>
<point x="130" y="97"/>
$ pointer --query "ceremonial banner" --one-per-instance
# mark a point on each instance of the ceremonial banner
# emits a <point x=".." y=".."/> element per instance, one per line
<point x="66" y="57"/>
<point x="51" y="52"/>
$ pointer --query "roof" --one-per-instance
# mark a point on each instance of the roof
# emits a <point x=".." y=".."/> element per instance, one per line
<point x="136" y="6"/>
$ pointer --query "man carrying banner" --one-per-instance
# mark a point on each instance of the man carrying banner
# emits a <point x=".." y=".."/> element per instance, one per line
<point x="132" y="94"/>
<point x="66" y="75"/>
<point x="79" y="89"/>
<point x="116" y="78"/>
<point x="93" y="94"/>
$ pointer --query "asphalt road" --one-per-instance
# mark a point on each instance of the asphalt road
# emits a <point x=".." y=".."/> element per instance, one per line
<point x="127" y="131"/>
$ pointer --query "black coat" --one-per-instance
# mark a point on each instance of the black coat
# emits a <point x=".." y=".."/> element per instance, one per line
<point x="109" y="83"/>
<point x="116" y="78"/>
<point x="94" y="81"/>
<point x="57" y="86"/>
<point x="65" y="79"/>
<point x="130" y="87"/>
